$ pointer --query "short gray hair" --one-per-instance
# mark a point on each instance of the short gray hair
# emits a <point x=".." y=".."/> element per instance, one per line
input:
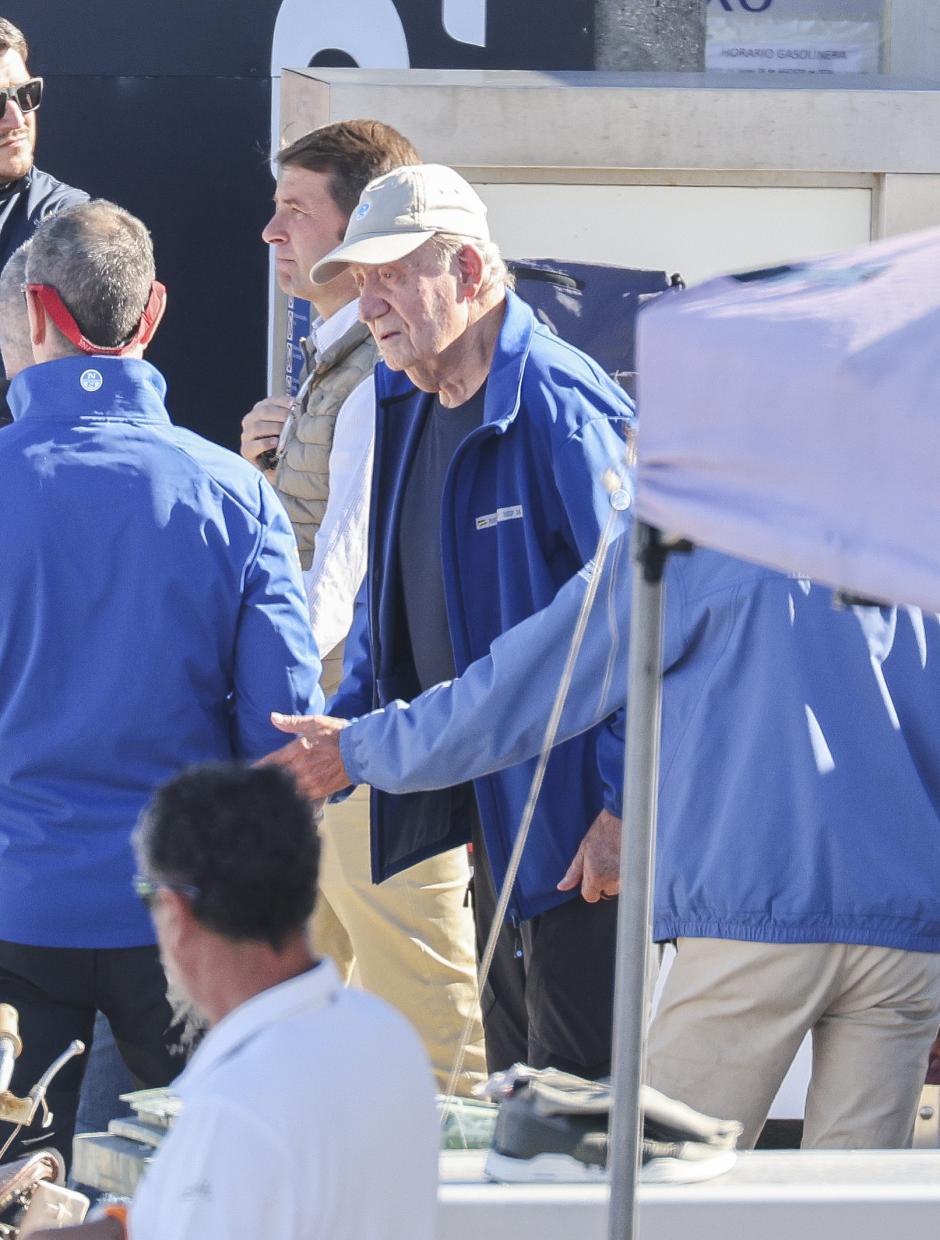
<point x="100" y="259"/>
<point x="497" y="275"/>
<point x="15" y="344"/>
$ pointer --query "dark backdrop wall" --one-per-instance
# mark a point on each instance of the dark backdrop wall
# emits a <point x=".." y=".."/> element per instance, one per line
<point x="164" y="106"/>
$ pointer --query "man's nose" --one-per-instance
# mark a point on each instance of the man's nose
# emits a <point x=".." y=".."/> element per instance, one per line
<point x="13" y="117"/>
<point x="273" y="231"/>
<point x="371" y="304"/>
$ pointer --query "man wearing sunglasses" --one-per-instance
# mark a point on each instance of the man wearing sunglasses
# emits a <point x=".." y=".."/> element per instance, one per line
<point x="26" y="194"/>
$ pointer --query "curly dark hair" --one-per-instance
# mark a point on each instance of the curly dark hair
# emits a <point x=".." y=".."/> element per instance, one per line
<point x="246" y="838"/>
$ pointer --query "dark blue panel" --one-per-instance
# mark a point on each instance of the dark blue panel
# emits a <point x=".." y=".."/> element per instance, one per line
<point x="148" y="37"/>
<point x="164" y="106"/>
<point x="233" y="37"/>
<point x="188" y="157"/>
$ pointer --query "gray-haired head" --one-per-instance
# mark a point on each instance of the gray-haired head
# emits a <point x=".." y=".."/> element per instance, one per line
<point x="15" y="346"/>
<point x="100" y="259"/>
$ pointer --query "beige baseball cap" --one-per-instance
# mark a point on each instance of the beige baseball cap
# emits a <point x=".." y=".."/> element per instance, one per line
<point x="399" y="211"/>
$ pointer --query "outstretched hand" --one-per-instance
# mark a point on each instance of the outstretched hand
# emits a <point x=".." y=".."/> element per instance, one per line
<point x="314" y="758"/>
<point x="596" y="864"/>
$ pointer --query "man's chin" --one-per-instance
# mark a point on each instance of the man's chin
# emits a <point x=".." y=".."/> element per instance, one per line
<point x="13" y="165"/>
<point x="285" y="284"/>
<point x="394" y="359"/>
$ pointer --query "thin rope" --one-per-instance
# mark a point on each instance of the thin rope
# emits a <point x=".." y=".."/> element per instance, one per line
<point x="613" y="484"/>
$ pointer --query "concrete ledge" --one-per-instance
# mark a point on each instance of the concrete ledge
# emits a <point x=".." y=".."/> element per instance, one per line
<point x="609" y="120"/>
<point x="773" y="1196"/>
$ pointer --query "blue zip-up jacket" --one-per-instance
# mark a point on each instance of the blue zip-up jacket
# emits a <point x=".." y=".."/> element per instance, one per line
<point x="799" y="791"/>
<point x="523" y="504"/>
<point x="151" y="616"/>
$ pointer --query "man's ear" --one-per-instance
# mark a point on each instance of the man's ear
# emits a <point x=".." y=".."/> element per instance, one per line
<point x="154" y="312"/>
<point x="174" y="921"/>
<point x="176" y="905"/>
<point x="38" y="325"/>
<point x="470" y="270"/>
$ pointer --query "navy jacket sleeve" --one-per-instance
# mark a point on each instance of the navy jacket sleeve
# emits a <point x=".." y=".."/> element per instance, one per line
<point x="61" y="197"/>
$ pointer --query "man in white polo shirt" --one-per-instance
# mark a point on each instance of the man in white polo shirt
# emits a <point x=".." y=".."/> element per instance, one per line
<point x="293" y="1124"/>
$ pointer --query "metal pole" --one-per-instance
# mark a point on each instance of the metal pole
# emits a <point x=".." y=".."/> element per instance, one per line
<point x="641" y="776"/>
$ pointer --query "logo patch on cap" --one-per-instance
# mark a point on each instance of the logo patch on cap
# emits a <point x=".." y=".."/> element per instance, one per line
<point x="91" y="380"/>
<point x="362" y="210"/>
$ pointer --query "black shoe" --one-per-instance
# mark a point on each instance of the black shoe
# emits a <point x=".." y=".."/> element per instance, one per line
<point x="553" y="1127"/>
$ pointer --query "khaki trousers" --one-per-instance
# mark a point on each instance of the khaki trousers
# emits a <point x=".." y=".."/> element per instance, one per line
<point x="733" y="1015"/>
<point x="411" y="938"/>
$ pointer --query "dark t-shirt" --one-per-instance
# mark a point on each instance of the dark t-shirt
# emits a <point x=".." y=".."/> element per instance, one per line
<point x="419" y="537"/>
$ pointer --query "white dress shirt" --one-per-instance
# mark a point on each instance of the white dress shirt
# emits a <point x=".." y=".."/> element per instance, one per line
<point x="339" y="556"/>
<point x="308" y="1114"/>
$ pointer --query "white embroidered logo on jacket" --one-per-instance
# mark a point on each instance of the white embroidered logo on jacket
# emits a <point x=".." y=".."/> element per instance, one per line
<point x="513" y="513"/>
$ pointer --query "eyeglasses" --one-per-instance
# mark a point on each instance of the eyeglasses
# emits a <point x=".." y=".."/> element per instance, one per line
<point x="27" y="97"/>
<point x="146" y="888"/>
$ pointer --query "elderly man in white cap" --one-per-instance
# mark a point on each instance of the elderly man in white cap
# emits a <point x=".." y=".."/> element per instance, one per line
<point x="492" y="441"/>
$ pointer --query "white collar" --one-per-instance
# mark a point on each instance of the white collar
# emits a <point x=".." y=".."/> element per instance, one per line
<point x="316" y="988"/>
<point x="326" y="332"/>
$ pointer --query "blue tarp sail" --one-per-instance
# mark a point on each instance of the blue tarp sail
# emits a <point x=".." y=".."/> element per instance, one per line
<point x="792" y="417"/>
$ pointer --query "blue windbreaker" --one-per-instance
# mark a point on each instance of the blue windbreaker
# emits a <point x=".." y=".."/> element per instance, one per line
<point x="524" y="501"/>
<point x="151" y="616"/>
<point x="800" y="769"/>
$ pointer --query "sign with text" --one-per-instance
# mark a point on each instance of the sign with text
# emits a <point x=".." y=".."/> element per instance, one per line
<point x="794" y="36"/>
<point x="299" y="317"/>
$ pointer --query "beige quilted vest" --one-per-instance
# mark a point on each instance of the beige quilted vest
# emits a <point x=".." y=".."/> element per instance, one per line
<point x="303" y="471"/>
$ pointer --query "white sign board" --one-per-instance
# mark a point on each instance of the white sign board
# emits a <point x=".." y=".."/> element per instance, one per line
<point x="794" y="36"/>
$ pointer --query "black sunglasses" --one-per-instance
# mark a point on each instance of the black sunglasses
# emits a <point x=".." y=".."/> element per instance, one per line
<point x="27" y="97"/>
<point x="146" y="888"/>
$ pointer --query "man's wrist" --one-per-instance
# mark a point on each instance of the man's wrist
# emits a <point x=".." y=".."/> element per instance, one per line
<point x="346" y="744"/>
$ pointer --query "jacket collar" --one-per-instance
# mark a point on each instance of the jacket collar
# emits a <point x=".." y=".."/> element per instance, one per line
<point x="504" y="385"/>
<point x="10" y="188"/>
<point x="326" y="332"/>
<point x="317" y="988"/>
<point x="504" y="382"/>
<point x="124" y="388"/>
